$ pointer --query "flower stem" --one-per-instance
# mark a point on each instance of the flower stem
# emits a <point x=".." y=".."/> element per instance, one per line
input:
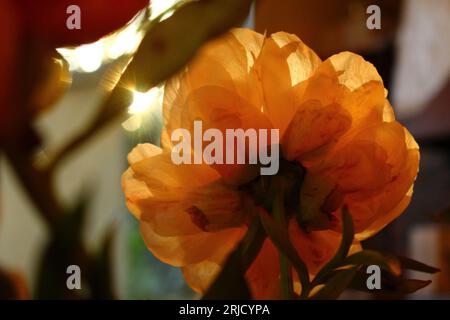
<point x="287" y="289"/>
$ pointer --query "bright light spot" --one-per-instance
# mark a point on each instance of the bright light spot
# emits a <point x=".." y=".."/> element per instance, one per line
<point x="159" y="6"/>
<point x="89" y="57"/>
<point x="125" y="42"/>
<point x="133" y="123"/>
<point x="67" y="54"/>
<point x="144" y="101"/>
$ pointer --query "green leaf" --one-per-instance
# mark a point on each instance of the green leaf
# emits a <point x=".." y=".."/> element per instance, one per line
<point x="408" y="263"/>
<point x="391" y="286"/>
<point x="252" y="243"/>
<point x="344" y="247"/>
<point x="369" y="257"/>
<point x="231" y="283"/>
<point x="389" y="262"/>
<point x="285" y="266"/>
<point x="170" y="44"/>
<point x="347" y="235"/>
<point x="336" y="284"/>
<point x="281" y="240"/>
<point x="408" y="286"/>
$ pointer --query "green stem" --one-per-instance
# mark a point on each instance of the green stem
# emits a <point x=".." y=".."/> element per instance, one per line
<point x="285" y="266"/>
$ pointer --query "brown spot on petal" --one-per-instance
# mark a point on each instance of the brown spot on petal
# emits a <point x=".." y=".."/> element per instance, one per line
<point x="198" y="217"/>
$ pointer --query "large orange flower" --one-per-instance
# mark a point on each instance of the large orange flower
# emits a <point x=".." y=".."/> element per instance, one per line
<point x="335" y="122"/>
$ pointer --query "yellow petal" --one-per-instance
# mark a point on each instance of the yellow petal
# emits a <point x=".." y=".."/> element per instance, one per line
<point x="222" y="109"/>
<point x="263" y="276"/>
<point x="371" y="175"/>
<point x="312" y="127"/>
<point x="200" y="276"/>
<point x="302" y="62"/>
<point x="191" y="249"/>
<point x="180" y="199"/>
<point x="363" y="106"/>
<point x="224" y="62"/>
<point x="353" y="70"/>
<point x="385" y="219"/>
<point x="284" y="60"/>
<point x="142" y="151"/>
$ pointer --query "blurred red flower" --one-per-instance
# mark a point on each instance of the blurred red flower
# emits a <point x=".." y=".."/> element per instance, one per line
<point x="41" y="26"/>
<point x="47" y="19"/>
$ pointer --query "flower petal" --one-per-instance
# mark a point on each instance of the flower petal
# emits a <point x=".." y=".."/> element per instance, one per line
<point x="313" y="127"/>
<point x="353" y="70"/>
<point x="191" y="249"/>
<point x="371" y="175"/>
<point x="221" y="109"/>
<point x="224" y="62"/>
<point x="362" y="106"/>
<point x="179" y="200"/>
<point x="283" y="61"/>
<point x="263" y="276"/>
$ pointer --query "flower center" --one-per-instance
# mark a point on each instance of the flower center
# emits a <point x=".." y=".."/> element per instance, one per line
<point x="288" y="181"/>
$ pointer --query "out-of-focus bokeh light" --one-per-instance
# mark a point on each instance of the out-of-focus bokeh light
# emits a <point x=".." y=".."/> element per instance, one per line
<point x="144" y="103"/>
<point x="124" y="42"/>
<point x="89" y="57"/>
<point x="158" y="7"/>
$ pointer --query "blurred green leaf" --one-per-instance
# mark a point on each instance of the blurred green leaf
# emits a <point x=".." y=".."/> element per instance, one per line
<point x="391" y="286"/>
<point x="370" y="257"/>
<point x="170" y="44"/>
<point x="336" y="284"/>
<point x="407" y="286"/>
<point x="408" y="263"/>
